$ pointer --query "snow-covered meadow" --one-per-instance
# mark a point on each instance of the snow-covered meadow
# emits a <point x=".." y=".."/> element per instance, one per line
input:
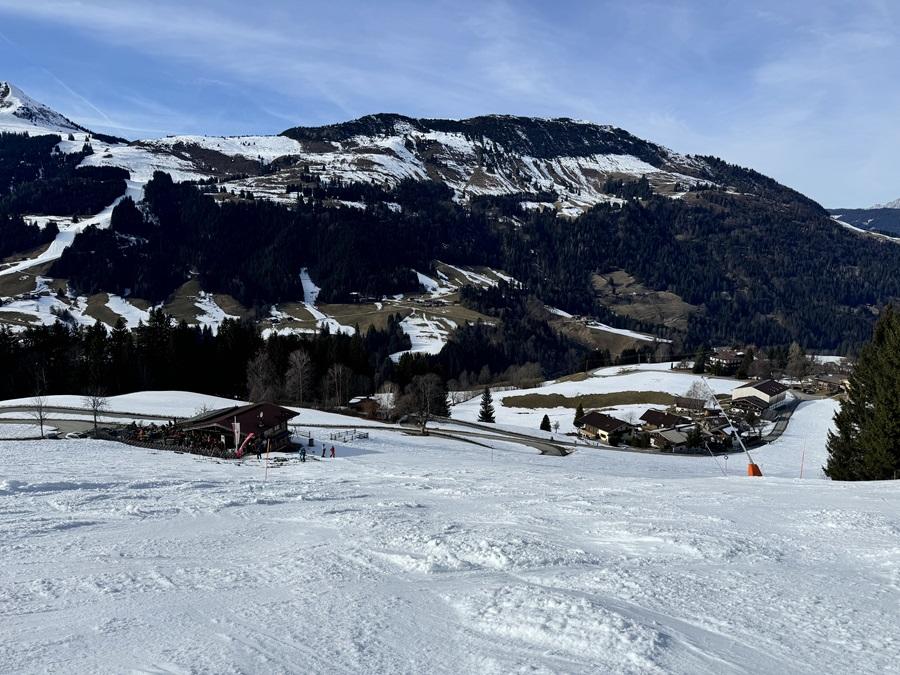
<point x="410" y="555"/>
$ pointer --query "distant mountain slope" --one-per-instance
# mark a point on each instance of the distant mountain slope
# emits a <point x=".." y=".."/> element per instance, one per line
<point x="19" y="112"/>
<point x="713" y="252"/>
<point x="884" y="219"/>
<point x="890" y="205"/>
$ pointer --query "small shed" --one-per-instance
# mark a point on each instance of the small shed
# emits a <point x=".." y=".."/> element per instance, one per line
<point x="365" y="405"/>
<point x="669" y="439"/>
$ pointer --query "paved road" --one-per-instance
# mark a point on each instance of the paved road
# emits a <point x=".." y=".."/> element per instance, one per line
<point x="63" y="426"/>
<point x="781" y="422"/>
<point x="60" y="410"/>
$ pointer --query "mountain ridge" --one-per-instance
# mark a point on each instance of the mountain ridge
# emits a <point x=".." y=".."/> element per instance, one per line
<point x="33" y="114"/>
<point x="588" y="218"/>
<point x="889" y="205"/>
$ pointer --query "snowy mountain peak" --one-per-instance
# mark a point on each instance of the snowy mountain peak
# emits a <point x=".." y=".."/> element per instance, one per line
<point x="889" y="205"/>
<point x="19" y="112"/>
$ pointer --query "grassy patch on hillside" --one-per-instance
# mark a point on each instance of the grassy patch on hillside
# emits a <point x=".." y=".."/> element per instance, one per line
<point x="588" y="400"/>
<point x="97" y="309"/>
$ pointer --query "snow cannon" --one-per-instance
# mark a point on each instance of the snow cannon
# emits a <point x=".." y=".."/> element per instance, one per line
<point x="753" y="470"/>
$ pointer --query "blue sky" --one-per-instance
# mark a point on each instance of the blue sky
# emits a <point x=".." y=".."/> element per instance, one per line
<point x="805" y="91"/>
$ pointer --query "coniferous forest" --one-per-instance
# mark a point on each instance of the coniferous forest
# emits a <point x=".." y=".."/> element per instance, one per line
<point x="763" y="265"/>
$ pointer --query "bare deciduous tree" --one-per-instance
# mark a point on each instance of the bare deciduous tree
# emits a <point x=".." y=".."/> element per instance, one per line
<point x="299" y="375"/>
<point x="798" y="363"/>
<point x="698" y="389"/>
<point x="388" y="393"/>
<point x="38" y="411"/>
<point x="426" y="396"/>
<point x="338" y="379"/>
<point x="96" y="402"/>
<point x="263" y="380"/>
<point x="761" y="368"/>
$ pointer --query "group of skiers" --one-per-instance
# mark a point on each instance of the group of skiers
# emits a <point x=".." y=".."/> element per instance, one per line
<point x="303" y="452"/>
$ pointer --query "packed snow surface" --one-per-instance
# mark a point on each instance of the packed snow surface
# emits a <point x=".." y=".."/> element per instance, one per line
<point x="419" y="555"/>
<point x="17" y="431"/>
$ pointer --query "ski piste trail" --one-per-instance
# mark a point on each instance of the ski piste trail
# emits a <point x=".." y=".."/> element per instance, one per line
<point x="426" y="555"/>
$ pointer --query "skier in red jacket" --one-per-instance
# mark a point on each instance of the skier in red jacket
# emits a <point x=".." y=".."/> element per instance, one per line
<point x="332" y="452"/>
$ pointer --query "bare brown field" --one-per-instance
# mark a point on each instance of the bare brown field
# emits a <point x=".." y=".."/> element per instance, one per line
<point x="97" y="309"/>
<point x="588" y="400"/>
<point x="364" y="315"/>
<point x="230" y="305"/>
<point x="24" y="255"/>
<point x="22" y="282"/>
<point x="18" y="319"/>
<point x="180" y="304"/>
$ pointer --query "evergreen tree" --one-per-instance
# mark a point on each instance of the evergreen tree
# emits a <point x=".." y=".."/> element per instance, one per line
<point x="545" y="423"/>
<point x="743" y="371"/>
<point x="486" y="413"/>
<point x="579" y="413"/>
<point x="700" y="360"/>
<point x="695" y="438"/>
<point x="866" y="444"/>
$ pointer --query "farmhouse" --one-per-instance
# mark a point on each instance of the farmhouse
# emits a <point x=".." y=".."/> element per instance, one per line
<point x="832" y="383"/>
<point x="266" y="421"/>
<point x="691" y="405"/>
<point x="658" y="419"/>
<point x="725" y="360"/>
<point x="602" y="427"/>
<point x="766" y="392"/>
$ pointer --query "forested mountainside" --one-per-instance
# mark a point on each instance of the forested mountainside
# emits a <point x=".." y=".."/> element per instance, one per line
<point x="711" y="252"/>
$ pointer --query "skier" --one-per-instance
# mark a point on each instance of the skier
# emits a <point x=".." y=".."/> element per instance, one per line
<point x="332" y="452"/>
<point x="258" y="447"/>
<point x="302" y="453"/>
<point x="323" y="452"/>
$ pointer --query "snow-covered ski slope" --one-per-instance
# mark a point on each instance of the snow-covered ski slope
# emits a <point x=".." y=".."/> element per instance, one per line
<point x="419" y="555"/>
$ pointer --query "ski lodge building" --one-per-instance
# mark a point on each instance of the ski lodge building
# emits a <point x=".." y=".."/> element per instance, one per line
<point x="266" y="421"/>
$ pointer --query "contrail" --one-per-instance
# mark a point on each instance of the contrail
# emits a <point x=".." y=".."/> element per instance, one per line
<point x="80" y="97"/>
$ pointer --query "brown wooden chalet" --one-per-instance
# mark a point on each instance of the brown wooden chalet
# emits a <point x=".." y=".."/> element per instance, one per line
<point x="598" y="425"/>
<point x="365" y="406"/>
<point x="266" y="420"/>
<point x="658" y="419"/>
